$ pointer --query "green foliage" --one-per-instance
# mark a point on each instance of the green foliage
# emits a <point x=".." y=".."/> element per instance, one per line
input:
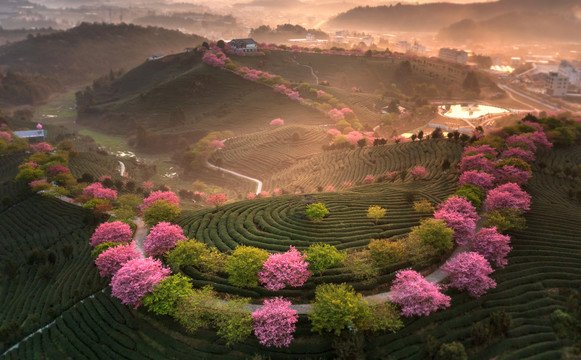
<point x="196" y="254"/>
<point x="94" y="202"/>
<point x="197" y="310"/>
<point x="376" y="212"/>
<point x="28" y="174"/>
<point x="323" y="256"/>
<point x="316" y="212"/>
<point x="452" y="351"/>
<point x="243" y="265"/>
<point x="472" y="193"/>
<point x="337" y="308"/>
<point x="102" y="247"/>
<point x="518" y="163"/>
<point x="423" y="207"/>
<point x="160" y="211"/>
<point x="480" y="333"/>
<point x="384" y="317"/>
<point x="130" y="200"/>
<point x="234" y="321"/>
<point x="494" y="141"/>
<point x="500" y="322"/>
<point x="434" y="233"/>
<point x="505" y="219"/>
<point x="563" y="323"/>
<point x="386" y="252"/>
<point x="361" y="264"/>
<point x="167" y="294"/>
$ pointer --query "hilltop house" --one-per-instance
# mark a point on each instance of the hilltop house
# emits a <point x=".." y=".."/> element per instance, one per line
<point x="246" y="45"/>
<point x="31" y="135"/>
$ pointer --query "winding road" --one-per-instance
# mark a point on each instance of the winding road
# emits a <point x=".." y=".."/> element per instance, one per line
<point x="258" y="182"/>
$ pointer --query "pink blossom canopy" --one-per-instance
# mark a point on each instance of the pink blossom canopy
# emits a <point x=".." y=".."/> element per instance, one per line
<point x="275" y="323"/>
<point x="136" y="278"/>
<point x="115" y="231"/>
<point x="280" y="270"/>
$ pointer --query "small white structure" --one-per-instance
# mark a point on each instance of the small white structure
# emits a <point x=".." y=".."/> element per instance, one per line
<point x="567" y="70"/>
<point x="246" y="45"/>
<point x="454" y="55"/>
<point x="155" y="57"/>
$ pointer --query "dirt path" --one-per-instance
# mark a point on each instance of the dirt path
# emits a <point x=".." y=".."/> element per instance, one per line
<point x="140" y="235"/>
<point x="258" y="182"/>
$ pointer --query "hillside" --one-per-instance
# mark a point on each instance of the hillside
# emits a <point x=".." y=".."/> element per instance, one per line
<point x="88" y="51"/>
<point x="434" y="16"/>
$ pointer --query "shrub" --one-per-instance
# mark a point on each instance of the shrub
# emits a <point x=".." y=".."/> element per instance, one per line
<point x="419" y="172"/>
<point x="136" y="278"/>
<point x="361" y="265"/>
<point x="423" y="207"/>
<point x="316" y="212"/>
<point x="500" y="322"/>
<point x="275" y="323"/>
<point x="243" y="265"/>
<point x="511" y="174"/>
<point x="492" y="245"/>
<point x="115" y="231"/>
<point x="196" y="254"/>
<point x="386" y="252"/>
<point x="97" y="190"/>
<point x="505" y="219"/>
<point x="480" y="333"/>
<point x="452" y="351"/>
<point x="415" y="295"/>
<point x="472" y="193"/>
<point x="469" y="271"/>
<point x="280" y="270"/>
<point x="29" y="174"/>
<point x="336" y="308"/>
<point x="167" y="196"/>
<point x="102" y="247"/>
<point x="376" y="212"/>
<point x="167" y="294"/>
<point x="323" y="256"/>
<point x="434" y="233"/>
<point x="475" y="162"/>
<point x="112" y="259"/>
<point x="162" y="238"/>
<point x="233" y="321"/>
<point x="160" y="211"/>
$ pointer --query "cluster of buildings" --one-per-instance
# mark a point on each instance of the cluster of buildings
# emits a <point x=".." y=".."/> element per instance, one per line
<point x="453" y="55"/>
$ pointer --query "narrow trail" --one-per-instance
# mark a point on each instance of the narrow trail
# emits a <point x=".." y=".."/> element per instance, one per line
<point x="310" y="67"/>
<point x="47" y="326"/>
<point x="258" y="182"/>
<point x="140" y="235"/>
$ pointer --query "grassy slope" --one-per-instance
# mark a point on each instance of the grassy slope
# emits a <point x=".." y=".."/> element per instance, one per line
<point x="212" y="99"/>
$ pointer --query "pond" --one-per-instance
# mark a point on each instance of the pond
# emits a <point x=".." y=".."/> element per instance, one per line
<point x="469" y="111"/>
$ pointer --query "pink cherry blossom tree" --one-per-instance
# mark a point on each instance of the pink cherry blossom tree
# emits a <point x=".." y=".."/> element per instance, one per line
<point x="251" y="196"/>
<point x="470" y="271"/>
<point x="280" y="270"/>
<point x="369" y="179"/>
<point x="277" y="122"/>
<point x="162" y="238"/>
<point x="136" y="278"/>
<point x="216" y="199"/>
<point x="216" y="144"/>
<point x="391" y="175"/>
<point x="511" y="174"/>
<point x="97" y="190"/>
<point x="415" y="295"/>
<point x="147" y="185"/>
<point x="333" y="132"/>
<point x="56" y="169"/>
<point x="460" y="215"/>
<point x="480" y="149"/>
<point x="168" y="196"/>
<point x="518" y="153"/>
<point x="275" y="323"/>
<point x="460" y="205"/>
<point x="111" y="260"/>
<point x="41" y="147"/>
<point x="507" y="196"/>
<point x="475" y="162"/>
<point x="522" y="141"/>
<point x="540" y="138"/>
<point x="419" y="172"/>
<point x="6" y="136"/>
<point x="494" y="246"/>
<point x="115" y="231"/>
<point x="478" y="178"/>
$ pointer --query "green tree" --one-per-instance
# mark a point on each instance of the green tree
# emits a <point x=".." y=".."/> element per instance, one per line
<point x="434" y="233"/>
<point x="160" y="211"/>
<point x="233" y="320"/>
<point x="423" y="207"/>
<point x="472" y="193"/>
<point x="196" y="254"/>
<point x="337" y="308"/>
<point x="243" y="265"/>
<point x="452" y="351"/>
<point x="316" y="212"/>
<point x="28" y="174"/>
<point x="505" y="219"/>
<point x="167" y="294"/>
<point x="361" y="264"/>
<point x="376" y="212"/>
<point x="386" y="252"/>
<point x="323" y="256"/>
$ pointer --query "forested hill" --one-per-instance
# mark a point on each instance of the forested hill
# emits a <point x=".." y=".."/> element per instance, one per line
<point x="434" y="16"/>
<point x="83" y="53"/>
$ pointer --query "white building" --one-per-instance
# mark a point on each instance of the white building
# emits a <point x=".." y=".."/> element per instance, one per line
<point x="557" y="84"/>
<point x="568" y="71"/>
<point x="402" y="46"/>
<point x="246" y="45"/>
<point x="453" y="55"/>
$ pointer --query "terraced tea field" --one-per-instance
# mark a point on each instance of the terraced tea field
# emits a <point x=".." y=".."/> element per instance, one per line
<point x="338" y="166"/>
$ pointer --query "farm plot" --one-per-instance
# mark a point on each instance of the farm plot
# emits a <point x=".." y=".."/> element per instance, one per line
<point x="337" y="167"/>
<point x="262" y="153"/>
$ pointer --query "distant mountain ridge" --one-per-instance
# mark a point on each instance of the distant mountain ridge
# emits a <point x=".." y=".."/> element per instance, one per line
<point x="435" y="16"/>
